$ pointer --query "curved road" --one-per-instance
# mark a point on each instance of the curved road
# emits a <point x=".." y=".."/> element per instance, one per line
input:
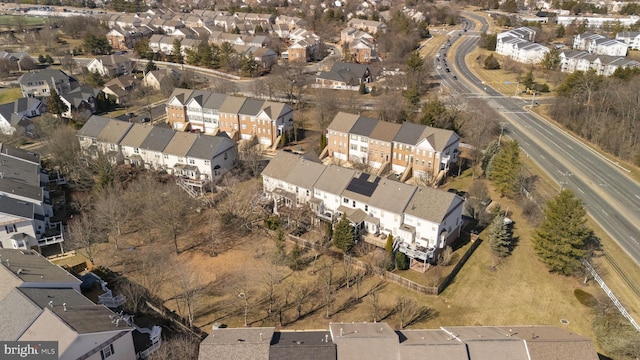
<point x="610" y="196"/>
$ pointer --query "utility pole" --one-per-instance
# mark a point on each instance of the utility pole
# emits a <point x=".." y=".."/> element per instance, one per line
<point x="517" y="83"/>
<point x="533" y="99"/>
<point x="502" y="125"/>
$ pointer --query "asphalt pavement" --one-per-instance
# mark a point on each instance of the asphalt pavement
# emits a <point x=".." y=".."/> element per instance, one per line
<point x="610" y="196"/>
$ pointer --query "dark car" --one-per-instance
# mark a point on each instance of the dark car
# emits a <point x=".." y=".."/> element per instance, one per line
<point x="130" y="115"/>
<point x="455" y="77"/>
<point x="452" y="190"/>
<point x="145" y="120"/>
<point x="447" y="70"/>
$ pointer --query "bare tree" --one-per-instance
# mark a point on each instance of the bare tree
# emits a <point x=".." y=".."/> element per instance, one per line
<point x="270" y="279"/>
<point x="85" y="237"/>
<point x="180" y="347"/>
<point x="327" y="278"/>
<point x="252" y="157"/>
<point x="408" y="312"/>
<point x="112" y="210"/>
<point x="375" y="304"/>
<point x="177" y="206"/>
<point x="188" y="287"/>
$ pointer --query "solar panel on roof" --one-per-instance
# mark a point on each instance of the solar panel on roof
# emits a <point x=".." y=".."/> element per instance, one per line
<point x="361" y="185"/>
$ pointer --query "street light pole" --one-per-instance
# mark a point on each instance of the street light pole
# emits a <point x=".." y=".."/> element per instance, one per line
<point x="532" y="99"/>
<point x="517" y="83"/>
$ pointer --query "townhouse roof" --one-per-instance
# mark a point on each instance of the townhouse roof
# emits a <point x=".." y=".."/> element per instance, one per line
<point x="361" y="187"/>
<point x="432" y="204"/>
<point x="304" y="173"/>
<point x="136" y="135"/>
<point x="181" y="95"/>
<point x="214" y="101"/>
<point x="43" y="75"/>
<point x="435" y="342"/>
<point x="207" y="147"/>
<point x="302" y="345"/>
<point x="364" y="340"/>
<point x="15" y="207"/>
<point x="251" y="107"/>
<point x="157" y="139"/>
<point x="122" y="82"/>
<point x="20" y="178"/>
<point x="364" y="126"/>
<point x="343" y="122"/>
<point x="14" y="152"/>
<point x="276" y="109"/>
<point x="627" y="34"/>
<point x="489" y="343"/>
<point x="94" y="126"/>
<point x="439" y="138"/>
<point x="392" y="196"/>
<point x="18" y="312"/>
<point x="551" y="342"/>
<point x="112" y="60"/>
<point x="31" y="267"/>
<point x="334" y="179"/>
<point x="409" y="133"/>
<point x="114" y="131"/>
<point x="180" y="144"/>
<point x="385" y="131"/>
<point x="232" y="104"/>
<point x="280" y="165"/>
<point x="237" y="344"/>
<point x="79" y="313"/>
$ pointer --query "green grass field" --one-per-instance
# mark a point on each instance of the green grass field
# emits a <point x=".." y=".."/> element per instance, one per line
<point x="9" y="95"/>
<point x="13" y="20"/>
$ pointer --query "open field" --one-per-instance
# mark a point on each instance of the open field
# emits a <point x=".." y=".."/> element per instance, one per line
<point x="9" y="95"/>
<point x="13" y="20"/>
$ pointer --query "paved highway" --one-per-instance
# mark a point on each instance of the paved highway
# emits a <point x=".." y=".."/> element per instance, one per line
<point x="610" y="196"/>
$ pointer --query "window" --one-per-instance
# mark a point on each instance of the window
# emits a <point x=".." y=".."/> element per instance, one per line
<point x="354" y="147"/>
<point x="166" y="156"/>
<point x="345" y="200"/>
<point x="10" y="228"/>
<point x="192" y="162"/>
<point x="366" y="208"/>
<point x="354" y="203"/>
<point x="106" y="352"/>
<point x="207" y="162"/>
<point x="136" y="150"/>
<point x="307" y="192"/>
<point x="226" y="156"/>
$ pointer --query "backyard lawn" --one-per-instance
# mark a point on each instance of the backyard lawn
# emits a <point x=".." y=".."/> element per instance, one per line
<point x="9" y="95"/>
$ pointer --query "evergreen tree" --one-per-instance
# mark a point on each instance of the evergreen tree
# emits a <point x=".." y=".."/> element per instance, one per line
<point x="176" y="52"/>
<point x="389" y="245"/>
<point x="401" y="261"/>
<point x="491" y="150"/>
<point x="491" y="63"/>
<point x="560" y="31"/>
<point x="343" y="237"/>
<point x="560" y="239"/>
<point x="505" y="169"/>
<point x="42" y="59"/>
<point x="55" y="104"/>
<point x="151" y="66"/>
<point x="295" y="258"/>
<point x="499" y="234"/>
<point x="49" y="59"/>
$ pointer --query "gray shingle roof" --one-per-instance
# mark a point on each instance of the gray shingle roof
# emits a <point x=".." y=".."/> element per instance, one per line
<point x="114" y="132"/>
<point x="392" y="196"/>
<point x="436" y="343"/>
<point x="334" y="179"/>
<point x="304" y="173"/>
<point x="94" y="126"/>
<point x="431" y="204"/>
<point x="20" y="178"/>
<point x="16" y="207"/>
<point x="157" y="139"/>
<point x="232" y="104"/>
<point x="280" y="165"/>
<point x="43" y="75"/>
<point x="251" y="107"/>
<point x="439" y="138"/>
<point x="364" y="126"/>
<point x="371" y="341"/>
<point x="35" y="268"/>
<point x="207" y="147"/>
<point x="409" y="133"/>
<point x="237" y="344"/>
<point x="302" y="345"/>
<point x="17" y="312"/>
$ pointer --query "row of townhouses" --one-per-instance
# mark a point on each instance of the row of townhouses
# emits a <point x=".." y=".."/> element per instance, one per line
<point x="575" y="60"/>
<point x="43" y="302"/>
<point x="422" y="220"/>
<point x="596" y="22"/>
<point x="631" y="38"/>
<point x="518" y="44"/>
<point x="422" y="150"/>
<point x="241" y="118"/>
<point x="26" y="206"/>
<point x="600" y="45"/>
<point x="190" y="155"/>
<point x="373" y="341"/>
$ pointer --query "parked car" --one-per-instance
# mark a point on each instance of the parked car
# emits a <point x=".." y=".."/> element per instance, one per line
<point x="145" y="120"/>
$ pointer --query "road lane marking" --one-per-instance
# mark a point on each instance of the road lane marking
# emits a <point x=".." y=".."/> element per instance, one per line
<point x="580" y="190"/>
<point x="605" y="212"/>
<point x="569" y="146"/>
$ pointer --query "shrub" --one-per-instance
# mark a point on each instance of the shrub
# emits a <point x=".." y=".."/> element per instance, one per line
<point x="491" y="63"/>
<point x="544" y="88"/>
<point x="585" y="298"/>
<point x="401" y="261"/>
<point x="272" y="223"/>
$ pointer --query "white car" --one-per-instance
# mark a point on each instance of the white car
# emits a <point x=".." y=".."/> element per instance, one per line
<point x="437" y="54"/>
<point x="439" y="67"/>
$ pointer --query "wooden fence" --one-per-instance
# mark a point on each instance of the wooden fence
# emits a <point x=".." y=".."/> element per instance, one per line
<point x="387" y="275"/>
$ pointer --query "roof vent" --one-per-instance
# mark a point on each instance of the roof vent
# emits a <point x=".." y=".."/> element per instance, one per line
<point x="341" y="332"/>
<point x="260" y="336"/>
<point x="19" y="271"/>
<point x="326" y="338"/>
<point x="50" y="303"/>
<point x="64" y="306"/>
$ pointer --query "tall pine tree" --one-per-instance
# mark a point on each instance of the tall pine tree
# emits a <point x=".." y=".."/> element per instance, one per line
<point x="55" y="104"/>
<point x="343" y="237"/>
<point x="560" y="239"/>
<point x="505" y="169"/>
<point x="500" y="237"/>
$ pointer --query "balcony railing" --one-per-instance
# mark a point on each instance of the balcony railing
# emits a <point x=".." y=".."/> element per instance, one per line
<point x="416" y="252"/>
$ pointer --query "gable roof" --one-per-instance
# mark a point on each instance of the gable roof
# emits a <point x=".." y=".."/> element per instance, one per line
<point x="363" y="126"/>
<point x="232" y="104"/>
<point x="385" y="131"/>
<point x="157" y="139"/>
<point x="207" y="147"/>
<point x="94" y="126"/>
<point x="431" y="204"/>
<point x="29" y="266"/>
<point x="136" y="135"/>
<point x="180" y="144"/>
<point x="364" y="340"/>
<point x="409" y="133"/>
<point x="43" y="75"/>
<point x="334" y="179"/>
<point x="343" y="122"/>
<point x="439" y="138"/>
<point x="392" y="196"/>
<point x="15" y="207"/>
<point x="17" y="313"/>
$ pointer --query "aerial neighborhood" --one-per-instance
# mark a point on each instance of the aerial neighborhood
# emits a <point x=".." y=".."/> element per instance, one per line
<point x="320" y="180"/>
